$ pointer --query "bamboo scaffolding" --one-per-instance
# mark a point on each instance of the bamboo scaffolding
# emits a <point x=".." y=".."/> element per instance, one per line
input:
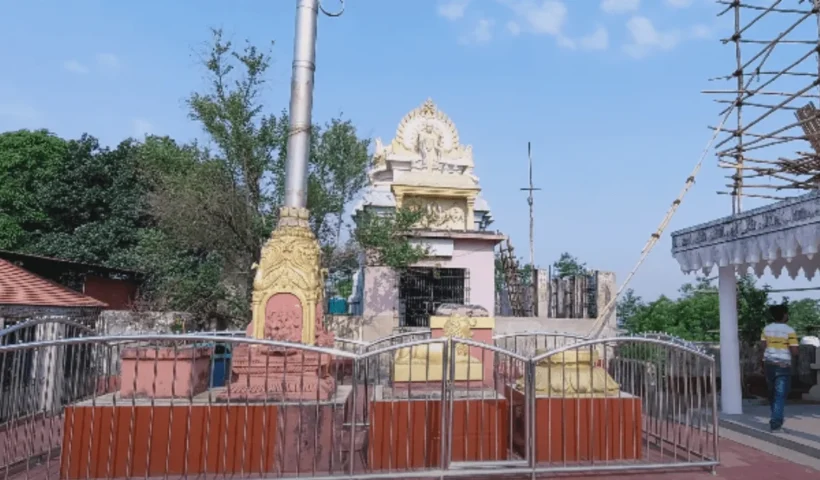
<point x="772" y="144"/>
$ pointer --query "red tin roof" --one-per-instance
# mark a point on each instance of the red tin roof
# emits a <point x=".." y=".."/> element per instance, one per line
<point x="21" y="287"/>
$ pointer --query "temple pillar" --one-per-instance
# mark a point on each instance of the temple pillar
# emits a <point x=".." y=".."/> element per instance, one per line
<point x="731" y="396"/>
<point x="469" y="219"/>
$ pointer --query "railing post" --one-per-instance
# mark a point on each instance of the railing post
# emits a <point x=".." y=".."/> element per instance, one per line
<point x="529" y="413"/>
<point x="445" y="433"/>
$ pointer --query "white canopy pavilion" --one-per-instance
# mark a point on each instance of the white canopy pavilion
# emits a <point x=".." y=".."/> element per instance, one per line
<point x="780" y="236"/>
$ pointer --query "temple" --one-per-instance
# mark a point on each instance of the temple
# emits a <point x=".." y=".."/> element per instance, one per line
<point x="425" y="165"/>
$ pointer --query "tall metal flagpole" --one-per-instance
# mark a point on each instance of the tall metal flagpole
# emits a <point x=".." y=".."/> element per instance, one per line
<point x="301" y="100"/>
<point x="290" y="259"/>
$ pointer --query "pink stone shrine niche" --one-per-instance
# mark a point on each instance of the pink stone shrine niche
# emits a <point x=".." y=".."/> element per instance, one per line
<point x="261" y="372"/>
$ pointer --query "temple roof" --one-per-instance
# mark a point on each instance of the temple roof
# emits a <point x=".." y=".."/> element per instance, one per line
<point x="425" y="152"/>
<point x="784" y="234"/>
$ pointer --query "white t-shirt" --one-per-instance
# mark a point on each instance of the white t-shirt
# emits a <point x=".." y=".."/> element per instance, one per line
<point x="779" y="337"/>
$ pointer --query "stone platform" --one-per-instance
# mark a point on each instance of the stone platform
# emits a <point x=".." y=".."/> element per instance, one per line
<point x="571" y="429"/>
<point x="406" y="430"/>
<point x="119" y="437"/>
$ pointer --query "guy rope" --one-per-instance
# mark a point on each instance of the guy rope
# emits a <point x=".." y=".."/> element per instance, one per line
<point x="600" y="322"/>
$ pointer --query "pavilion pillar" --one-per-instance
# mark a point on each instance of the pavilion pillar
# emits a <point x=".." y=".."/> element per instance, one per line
<point x="731" y="396"/>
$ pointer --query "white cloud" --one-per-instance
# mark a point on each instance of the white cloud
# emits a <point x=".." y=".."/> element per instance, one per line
<point x="544" y="17"/>
<point x="453" y="9"/>
<point x="142" y="128"/>
<point x="679" y="3"/>
<point x="481" y="34"/>
<point x="549" y="17"/>
<point x="645" y="38"/>
<point x="620" y="6"/>
<point x="514" y="28"/>
<point x="701" y="32"/>
<point x="108" y="60"/>
<point x="565" y="42"/>
<point x="74" y="66"/>
<point x="597" y="40"/>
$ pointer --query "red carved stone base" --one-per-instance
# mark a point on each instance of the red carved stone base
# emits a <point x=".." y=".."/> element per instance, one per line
<point x="259" y="372"/>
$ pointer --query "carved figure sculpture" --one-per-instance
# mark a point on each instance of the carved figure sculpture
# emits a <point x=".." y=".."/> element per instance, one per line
<point x="428" y="145"/>
<point x="424" y="363"/>
<point x="572" y="373"/>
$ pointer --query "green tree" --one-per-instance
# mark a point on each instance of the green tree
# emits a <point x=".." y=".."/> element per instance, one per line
<point x="804" y="315"/>
<point x="29" y="165"/>
<point x="225" y="200"/>
<point x="94" y="205"/>
<point x="180" y="279"/>
<point x="568" y="266"/>
<point x="696" y="314"/>
<point x="339" y="171"/>
<point x="752" y="309"/>
<point x="384" y="237"/>
<point x="628" y="306"/>
<point x="192" y="218"/>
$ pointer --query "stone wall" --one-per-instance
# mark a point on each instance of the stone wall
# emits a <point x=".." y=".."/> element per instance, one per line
<point x="372" y="328"/>
<point x="380" y="303"/>
<point x="577" y="326"/>
<point x="347" y="326"/>
<point x="563" y="297"/>
<point x="127" y="322"/>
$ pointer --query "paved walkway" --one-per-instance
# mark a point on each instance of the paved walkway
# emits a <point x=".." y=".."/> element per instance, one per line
<point x="801" y="431"/>
<point x="738" y="462"/>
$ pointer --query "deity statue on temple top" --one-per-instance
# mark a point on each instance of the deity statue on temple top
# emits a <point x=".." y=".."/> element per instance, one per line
<point x="428" y="145"/>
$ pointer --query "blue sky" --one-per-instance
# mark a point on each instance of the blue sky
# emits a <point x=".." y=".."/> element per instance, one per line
<point x="607" y="92"/>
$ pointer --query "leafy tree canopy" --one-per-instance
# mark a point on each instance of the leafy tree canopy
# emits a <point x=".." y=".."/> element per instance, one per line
<point x="568" y="266"/>
<point x="696" y="314"/>
<point x="29" y="163"/>
<point x="191" y="217"/>
<point x="384" y="236"/>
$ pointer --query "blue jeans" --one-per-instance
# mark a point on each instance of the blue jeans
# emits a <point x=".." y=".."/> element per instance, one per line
<point x="778" y="379"/>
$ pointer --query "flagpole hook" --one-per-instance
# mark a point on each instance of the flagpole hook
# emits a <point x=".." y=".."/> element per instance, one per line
<point x="333" y="14"/>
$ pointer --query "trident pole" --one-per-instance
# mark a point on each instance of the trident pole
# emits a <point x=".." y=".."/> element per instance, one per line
<point x="530" y="201"/>
<point x="301" y="100"/>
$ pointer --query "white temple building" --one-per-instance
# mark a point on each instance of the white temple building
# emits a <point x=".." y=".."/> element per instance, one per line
<point x="426" y="165"/>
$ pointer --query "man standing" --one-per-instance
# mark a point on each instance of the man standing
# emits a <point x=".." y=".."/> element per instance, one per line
<point x="780" y="344"/>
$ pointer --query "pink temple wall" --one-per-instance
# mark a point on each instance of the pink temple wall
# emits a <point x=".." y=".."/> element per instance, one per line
<point x="381" y="294"/>
<point x="476" y="256"/>
<point x="380" y="300"/>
